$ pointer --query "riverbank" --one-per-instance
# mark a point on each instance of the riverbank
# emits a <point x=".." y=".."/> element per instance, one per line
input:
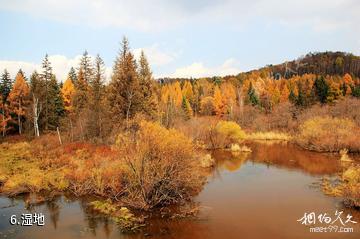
<point x="245" y="190"/>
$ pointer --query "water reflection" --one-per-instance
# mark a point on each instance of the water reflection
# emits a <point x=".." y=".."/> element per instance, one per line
<point x="289" y="156"/>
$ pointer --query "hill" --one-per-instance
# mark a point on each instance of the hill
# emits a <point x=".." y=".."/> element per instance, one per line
<point x="320" y="63"/>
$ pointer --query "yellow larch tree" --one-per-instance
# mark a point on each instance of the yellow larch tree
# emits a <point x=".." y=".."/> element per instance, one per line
<point x="218" y="102"/>
<point x="68" y="91"/>
<point x="18" y="98"/>
<point x="228" y="97"/>
<point x="177" y="94"/>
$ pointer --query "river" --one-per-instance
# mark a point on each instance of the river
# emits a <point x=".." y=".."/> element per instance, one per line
<point x="261" y="195"/>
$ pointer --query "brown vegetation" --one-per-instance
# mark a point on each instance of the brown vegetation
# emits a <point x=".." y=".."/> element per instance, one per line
<point x="161" y="166"/>
<point x="149" y="167"/>
<point x="347" y="186"/>
<point x="329" y="134"/>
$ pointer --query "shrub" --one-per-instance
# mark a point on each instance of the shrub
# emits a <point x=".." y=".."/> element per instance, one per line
<point x="197" y="128"/>
<point x="346" y="186"/>
<point x="162" y="167"/>
<point x="225" y="133"/>
<point x="329" y="134"/>
<point x="351" y="186"/>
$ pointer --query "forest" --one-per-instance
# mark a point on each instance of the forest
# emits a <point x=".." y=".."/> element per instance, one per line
<point x="140" y="141"/>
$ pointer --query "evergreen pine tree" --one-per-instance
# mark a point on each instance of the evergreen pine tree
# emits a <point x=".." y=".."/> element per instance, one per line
<point x="321" y="89"/>
<point x="81" y="93"/>
<point x="72" y="75"/>
<point x="185" y="105"/>
<point x="97" y="92"/>
<point x="124" y="91"/>
<point x="5" y="85"/>
<point x="149" y="104"/>
<point x="87" y="67"/>
<point x="5" y="88"/>
<point x="55" y="104"/>
<point x="301" y="98"/>
<point x="46" y="78"/>
<point x="292" y="96"/>
<point x="253" y="98"/>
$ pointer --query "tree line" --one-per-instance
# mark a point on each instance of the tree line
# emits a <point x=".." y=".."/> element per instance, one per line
<point x="83" y="105"/>
<point x="88" y="108"/>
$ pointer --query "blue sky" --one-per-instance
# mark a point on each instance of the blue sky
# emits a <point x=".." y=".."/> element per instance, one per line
<point x="181" y="38"/>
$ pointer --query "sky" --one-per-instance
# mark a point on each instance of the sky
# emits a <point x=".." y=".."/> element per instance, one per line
<point x="181" y="38"/>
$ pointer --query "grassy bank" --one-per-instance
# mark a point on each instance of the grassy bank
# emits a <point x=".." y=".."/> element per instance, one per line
<point x="147" y="168"/>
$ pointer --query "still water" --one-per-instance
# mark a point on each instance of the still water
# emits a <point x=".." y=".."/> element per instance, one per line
<point x="255" y="195"/>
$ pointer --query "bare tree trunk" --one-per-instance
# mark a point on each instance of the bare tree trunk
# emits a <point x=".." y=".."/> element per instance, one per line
<point x="71" y="130"/>
<point x="130" y="95"/>
<point x="82" y="131"/>
<point x="240" y="101"/>
<point x="36" y="111"/>
<point x="19" y="117"/>
<point x="4" y="126"/>
<point x="58" y="132"/>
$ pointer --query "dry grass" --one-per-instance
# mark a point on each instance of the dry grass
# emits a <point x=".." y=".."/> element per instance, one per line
<point x="122" y="216"/>
<point x="326" y="134"/>
<point x="149" y="166"/>
<point x="238" y="148"/>
<point x="268" y="136"/>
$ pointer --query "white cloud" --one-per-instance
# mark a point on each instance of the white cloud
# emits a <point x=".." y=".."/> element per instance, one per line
<point x="159" y="14"/>
<point x="156" y="57"/>
<point x="60" y="64"/>
<point x="198" y="69"/>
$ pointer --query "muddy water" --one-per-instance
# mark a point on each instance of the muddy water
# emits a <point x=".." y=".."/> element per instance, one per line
<point x="257" y="195"/>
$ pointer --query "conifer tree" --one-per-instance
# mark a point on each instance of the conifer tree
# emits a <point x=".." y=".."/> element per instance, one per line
<point x="46" y="77"/>
<point x="18" y="98"/>
<point x="55" y="104"/>
<point x="72" y="75"/>
<point x="5" y="85"/>
<point x="97" y="93"/>
<point x="185" y="105"/>
<point x="124" y="94"/>
<point x="68" y="92"/>
<point x="80" y="99"/>
<point x="87" y="67"/>
<point x="177" y="94"/>
<point x="149" y="103"/>
<point x="5" y="88"/>
<point x="321" y="89"/>
<point x="292" y="96"/>
<point x="253" y="98"/>
<point x="218" y="102"/>
<point x="5" y="116"/>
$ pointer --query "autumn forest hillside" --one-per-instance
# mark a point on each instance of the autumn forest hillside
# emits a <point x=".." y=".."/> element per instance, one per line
<point x="141" y="141"/>
<point x="86" y="107"/>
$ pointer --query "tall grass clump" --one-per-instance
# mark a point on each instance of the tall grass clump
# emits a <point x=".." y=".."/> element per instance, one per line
<point x="326" y="134"/>
<point x="162" y="166"/>
<point x="225" y="133"/>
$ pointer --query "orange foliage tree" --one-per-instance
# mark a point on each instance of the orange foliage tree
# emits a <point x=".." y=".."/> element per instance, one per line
<point x="18" y="98"/>
<point x="68" y="91"/>
<point x="218" y="102"/>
